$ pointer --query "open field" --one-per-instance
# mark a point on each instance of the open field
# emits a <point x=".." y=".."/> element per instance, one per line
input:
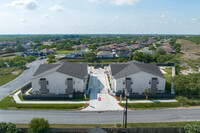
<point x="9" y="103"/>
<point x="119" y="125"/>
<point x="8" y="74"/>
<point x="191" y="51"/>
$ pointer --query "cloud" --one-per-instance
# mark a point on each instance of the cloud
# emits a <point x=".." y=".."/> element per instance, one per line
<point x="5" y="14"/>
<point x="56" y="8"/>
<point x="123" y="2"/>
<point x="195" y="20"/>
<point x="23" y="20"/>
<point x="29" y="4"/>
<point x="163" y="16"/>
<point x="45" y="16"/>
<point x="117" y="2"/>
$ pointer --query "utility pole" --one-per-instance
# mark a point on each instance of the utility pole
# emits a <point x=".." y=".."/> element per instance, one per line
<point x="126" y="93"/>
<point x="125" y="111"/>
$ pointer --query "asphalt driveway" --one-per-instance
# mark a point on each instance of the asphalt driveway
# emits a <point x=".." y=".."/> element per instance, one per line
<point x="24" y="78"/>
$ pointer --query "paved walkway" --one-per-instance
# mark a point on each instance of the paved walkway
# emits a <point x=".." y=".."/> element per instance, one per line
<point x="99" y="88"/>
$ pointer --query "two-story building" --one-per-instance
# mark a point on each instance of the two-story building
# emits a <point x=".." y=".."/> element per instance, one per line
<point x="136" y="77"/>
<point x="60" y="78"/>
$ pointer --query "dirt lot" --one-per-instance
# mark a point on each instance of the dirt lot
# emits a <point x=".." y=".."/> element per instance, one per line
<point x="190" y="50"/>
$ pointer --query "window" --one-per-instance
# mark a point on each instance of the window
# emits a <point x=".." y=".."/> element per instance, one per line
<point x="74" y="82"/>
<point x="47" y="82"/>
<point x="123" y="81"/>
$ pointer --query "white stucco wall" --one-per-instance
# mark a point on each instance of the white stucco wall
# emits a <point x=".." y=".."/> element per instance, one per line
<point x="140" y="82"/>
<point x="57" y="83"/>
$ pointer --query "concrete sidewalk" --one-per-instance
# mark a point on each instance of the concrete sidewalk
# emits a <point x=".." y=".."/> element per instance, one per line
<point x="99" y="88"/>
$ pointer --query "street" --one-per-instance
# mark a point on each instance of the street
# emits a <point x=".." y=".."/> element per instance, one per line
<point x="24" y="78"/>
<point x="77" y="117"/>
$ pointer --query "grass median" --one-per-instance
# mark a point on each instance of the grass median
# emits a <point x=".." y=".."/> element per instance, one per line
<point x="9" y="104"/>
<point x="119" y="125"/>
<point x="144" y="106"/>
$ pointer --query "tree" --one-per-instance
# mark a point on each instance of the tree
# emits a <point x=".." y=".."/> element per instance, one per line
<point x="161" y="51"/>
<point x="20" y="47"/>
<point x="147" y="92"/>
<point x="192" y="128"/>
<point x="30" y="58"/>
<point x="92" y="46"/>
<point x="38" y="125"/>
<point x="9" y="49"/>
<point x="8" y="128"/>
<point x="90" y="56"/>
<point x="187" y="85"/>
<point x="178" y="50"/>
<point x="151" y="47"/>
<point x="51" y="57"/>
<point x="158" y="44"/>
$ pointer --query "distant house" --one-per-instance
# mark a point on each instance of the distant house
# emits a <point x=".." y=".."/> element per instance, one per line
<point x="124" y="54"/>
<point x="123" y="49"/>
<point x="48" y="51"/>
<point x="47" y="43"/>
<point x="146" y="51"/>
<point x="60" y="78"/>
<point x="136" y="77"/>
<point x="104" y="48"/>
<point x="120" y="45"/>
<point x="75" y="54"/>
<point x="79" y="47"/>
<point x="167" y="48"/>
<point x="26" y="46"/>
<point x="34" y="53"/>
<point x="135" y="46"/>
<point x="105" y="54"/>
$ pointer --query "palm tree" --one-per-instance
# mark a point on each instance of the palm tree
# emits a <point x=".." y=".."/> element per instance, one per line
<point x="147" y="92"/>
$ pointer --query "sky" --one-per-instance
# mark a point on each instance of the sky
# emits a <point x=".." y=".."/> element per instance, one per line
<point x="99" y="17"/>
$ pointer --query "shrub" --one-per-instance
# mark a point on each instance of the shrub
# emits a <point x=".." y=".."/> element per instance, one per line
<point x="119" y="125"/>
<point x="192" y="128"/>
<point x="38" y="125"/>
<point x="8" y="128"/>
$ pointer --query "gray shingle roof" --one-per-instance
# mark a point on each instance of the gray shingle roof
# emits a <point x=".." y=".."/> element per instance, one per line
<point x="72" y="69"/>
<point x="132" y="67"/>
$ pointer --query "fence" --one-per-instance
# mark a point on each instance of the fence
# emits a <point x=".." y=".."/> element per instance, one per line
<point x="115" y="130"/>
<point x="51" y="97"/>
<point x="26" y="87"/>
<point x="151" y="96"/>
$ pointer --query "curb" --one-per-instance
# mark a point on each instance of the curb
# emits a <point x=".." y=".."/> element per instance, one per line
<point x="114" y="96"/>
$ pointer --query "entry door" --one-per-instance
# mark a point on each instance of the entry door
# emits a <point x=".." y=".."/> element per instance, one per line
<point x="43" y="84"/>
<point x="128" y="84"/>
<point x="154" y="82"/>
<point x="70" y="89"/>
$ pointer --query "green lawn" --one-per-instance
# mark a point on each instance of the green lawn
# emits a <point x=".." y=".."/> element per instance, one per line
<point x="66" y="51"/>
<point x="9" y="103"/>
<point x="168" y="77"/>
<point x="144" y="106"/>
<point x="119" y="125"/>
<point x="6" y="74"/>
